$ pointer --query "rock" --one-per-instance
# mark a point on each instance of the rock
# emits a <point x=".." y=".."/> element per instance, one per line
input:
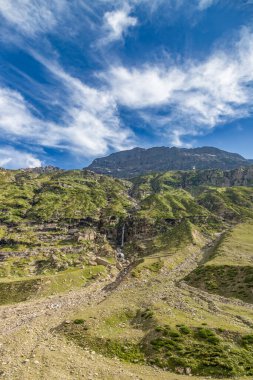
<point x="138" y="161"/>
<point x="179" y="370"/>
<point x="104" y="262"/>
<point x="89" y="234"/>
<point x="92" y="263"/>
<point x="188" y="371"/>
<point x="119" y="266"/>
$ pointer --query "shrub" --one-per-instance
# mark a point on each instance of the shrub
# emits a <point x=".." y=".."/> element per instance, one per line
<point x="184" y="330"/>
<point x="79" y="321"/>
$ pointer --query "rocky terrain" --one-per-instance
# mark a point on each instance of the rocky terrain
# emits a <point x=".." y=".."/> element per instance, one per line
<point x="103" y="278"/>
<point x="53" y="220"/>
<point x="139" y="161"/>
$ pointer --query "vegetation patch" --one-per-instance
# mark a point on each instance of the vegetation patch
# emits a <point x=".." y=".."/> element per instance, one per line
<point x="25" y="289"/>
<point x="228" y="281"/>
<point x="183" y="349"/>
<point x="18" y="291"/>
<point x="229" y="270"/>
<point x="201" y="352"/>
<point x="80" y="333"/>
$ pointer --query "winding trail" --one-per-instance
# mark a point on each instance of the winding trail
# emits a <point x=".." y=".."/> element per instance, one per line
<point x="31" y="350"/>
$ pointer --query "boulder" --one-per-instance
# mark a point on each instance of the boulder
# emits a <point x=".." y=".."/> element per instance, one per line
<point x="93" y="263"/>
<point x="119" y="266"/>
<point x="104" y="262"/>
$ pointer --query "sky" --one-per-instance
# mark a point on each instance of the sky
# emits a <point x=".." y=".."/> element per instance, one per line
<point x="81" y="79"/>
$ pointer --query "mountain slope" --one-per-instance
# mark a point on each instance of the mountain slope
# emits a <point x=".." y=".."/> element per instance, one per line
<point x="80" y="312"/>
<point x="54" y="221"/>
<point x="228" y="271"/>
<point x="138" y="161"/>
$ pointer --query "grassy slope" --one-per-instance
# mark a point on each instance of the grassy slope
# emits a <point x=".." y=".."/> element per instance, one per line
<point x="23" y="289"/>
<point x="31" y="201"/>
<point x="169" y="195"/>
<point x="151" y="319"/>
<point x="229" y="271"/>
<point x="128" y="323"/>
<point x="57" y="196"/>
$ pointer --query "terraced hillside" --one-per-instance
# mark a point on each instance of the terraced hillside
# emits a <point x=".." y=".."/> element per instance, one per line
<point x="55" y="222"/>
<point x="180" y="300"/>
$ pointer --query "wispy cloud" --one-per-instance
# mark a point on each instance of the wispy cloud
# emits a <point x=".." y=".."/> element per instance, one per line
<point x="106" y="21"/>
<point x="91" y="114"/>
<point x="33" y="16"/>
<point x="176" y="99"/>
<point x="116" y="24"/>
<point x="11" y="158"/>
<point x="89" y="124"/>
<point x="204" y="4"/>
<point x="194" y="97"/>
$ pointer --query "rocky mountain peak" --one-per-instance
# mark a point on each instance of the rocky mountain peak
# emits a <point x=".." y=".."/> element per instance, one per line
<point x="139" y="161"/>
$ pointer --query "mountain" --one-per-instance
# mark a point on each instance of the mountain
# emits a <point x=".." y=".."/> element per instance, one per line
<point x="139" y="161"/>
<point x="55" y="219"/>
<point x="180" y="300"/>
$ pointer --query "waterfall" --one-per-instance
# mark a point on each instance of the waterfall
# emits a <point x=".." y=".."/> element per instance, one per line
<point x="123" y="235"/>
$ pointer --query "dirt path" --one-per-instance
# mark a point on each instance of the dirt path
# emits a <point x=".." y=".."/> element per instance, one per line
<point x="15" y="316"/>
<point x="31" y="350"/>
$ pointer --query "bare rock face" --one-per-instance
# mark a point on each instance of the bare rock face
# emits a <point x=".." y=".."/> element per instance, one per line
<point x="138" y="161"/>
<point x="219" y="178"/>
<point x="42" y="169"/>
<point x="104" y="262"/>
<point x="88" y="234"/>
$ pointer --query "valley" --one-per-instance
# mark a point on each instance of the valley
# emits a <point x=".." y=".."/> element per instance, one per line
<point x="179" y="303"/>
<point x="126" y="190"/>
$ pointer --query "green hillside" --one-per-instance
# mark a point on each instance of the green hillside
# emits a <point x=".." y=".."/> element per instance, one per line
<point x="59" y="221"/>
<point x="229" y="269"/>
<point x="186" y="242"/>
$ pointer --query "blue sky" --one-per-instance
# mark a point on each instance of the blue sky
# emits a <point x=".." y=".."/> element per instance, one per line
<point x="81" y="79"/>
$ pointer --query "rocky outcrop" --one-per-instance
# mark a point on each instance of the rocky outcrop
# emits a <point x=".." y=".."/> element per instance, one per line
<point x="59" y="220"/>
<point x="138" y="161"/>
<point x="42" y="169"/>
<point x="219" y="178"/>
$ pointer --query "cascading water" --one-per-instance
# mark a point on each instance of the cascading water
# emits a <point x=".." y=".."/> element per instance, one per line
<point x="123" y="236"/>
<point x="120" y="255"/>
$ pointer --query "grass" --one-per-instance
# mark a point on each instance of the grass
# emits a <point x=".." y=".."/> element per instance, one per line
<point x="229" y="271"/>
<point x="200" y="351"/>
<point x="204" y="351"/>
<point x="164" y="326"/>
<point x="168" y="219"/>
<point x="236" y="248"/>
<point x="26" y="289"/>
<point x="151" y="265"/>
<point x="229" y="281"/>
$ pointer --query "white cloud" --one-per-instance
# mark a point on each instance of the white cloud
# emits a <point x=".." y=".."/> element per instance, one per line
<point x="117" y="22"/>
<point x="196" y="96"/>
<point x="11" y="158"/>
<point x="93" y="124"/>
<point x="146" y="87"/>
<point x="33" y="16"/>
<point x="90" y="124"/>
<point x="204" y="4"/>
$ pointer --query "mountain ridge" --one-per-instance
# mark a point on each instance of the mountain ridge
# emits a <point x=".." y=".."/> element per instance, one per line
<point x="141" y="161"/>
